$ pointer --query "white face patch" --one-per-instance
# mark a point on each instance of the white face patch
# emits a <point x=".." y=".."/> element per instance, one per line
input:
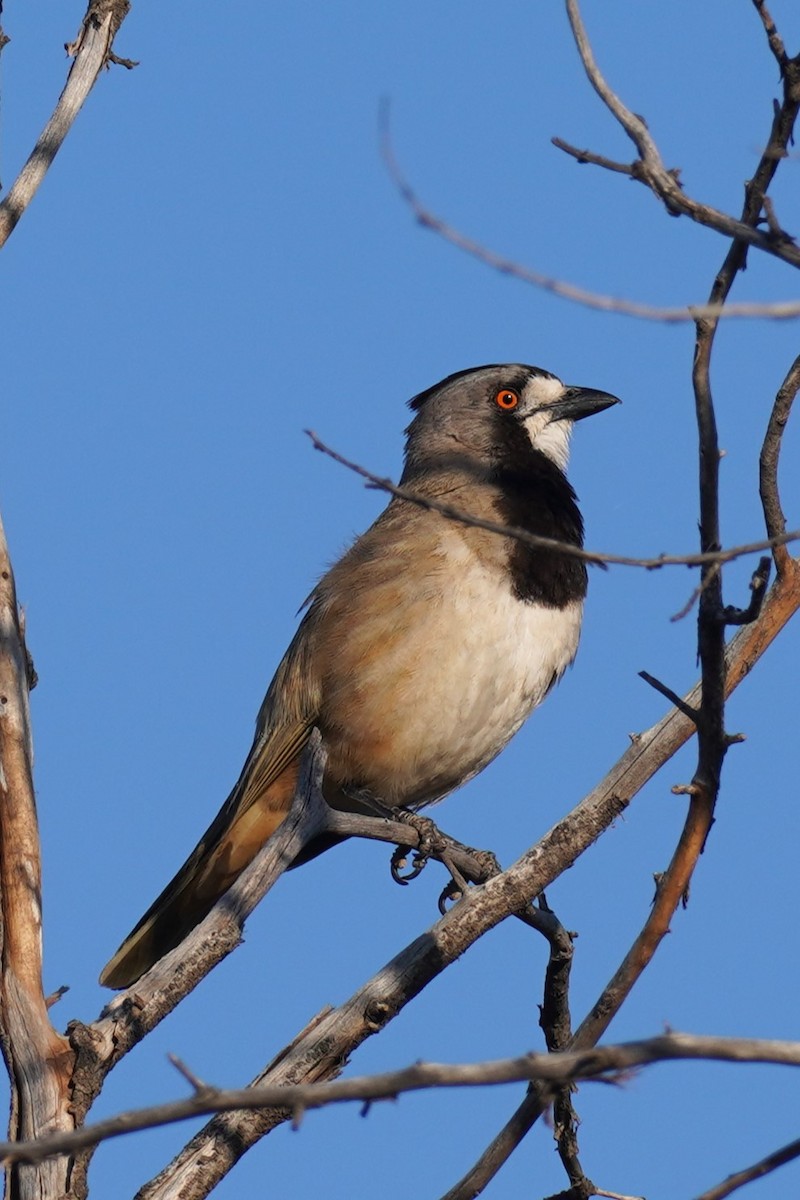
<point x="553" y="441"/>
<point x="550" y="437"/>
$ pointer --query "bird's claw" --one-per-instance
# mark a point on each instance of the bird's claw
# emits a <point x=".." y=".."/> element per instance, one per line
<point x="430" y="842"/>
<point x="449" y="895"/>
<point x="399" y="860"/>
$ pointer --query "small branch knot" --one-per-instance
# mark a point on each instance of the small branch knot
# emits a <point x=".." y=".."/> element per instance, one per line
<point x="377" y="1013"/>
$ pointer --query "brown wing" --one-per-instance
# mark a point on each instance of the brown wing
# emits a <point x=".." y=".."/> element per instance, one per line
<point x="258" y="803"/>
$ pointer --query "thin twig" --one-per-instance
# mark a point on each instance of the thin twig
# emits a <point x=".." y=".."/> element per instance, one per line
<point x="758" y="586"/>
<point x="773" y="37"/>
<point x="556" y="1025"/>
<point x="673" y="884"/>
<point x="188" y="1074"/>
<point x="92" y="48"/>
<point x="673" y="697"/>
<point x="597" y="160"/>
<point x="695" y="596"/>
<point x="774" y="519"/>
<point x="634" y="125"/>
<point x="57" y="995"/>
<point x="651" y="171"/>
<point x="553" y="1069"/>
<point x="595" y="557"/>
<point x="773" y="224"/>
<point x="758" y="1170"/>
<point x="776" y="310"/>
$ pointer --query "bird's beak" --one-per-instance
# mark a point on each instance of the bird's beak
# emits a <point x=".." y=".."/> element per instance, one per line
<point x="575" y="403"/>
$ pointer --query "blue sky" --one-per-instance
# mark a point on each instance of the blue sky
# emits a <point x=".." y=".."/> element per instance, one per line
<point x="217" y="261"/>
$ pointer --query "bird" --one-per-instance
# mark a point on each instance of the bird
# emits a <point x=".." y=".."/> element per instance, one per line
<point x="425" y="647"/>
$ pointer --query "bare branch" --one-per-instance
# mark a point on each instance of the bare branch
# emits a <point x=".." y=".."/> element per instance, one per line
<point x="554" y="1069"/>
<point x="672" y="887"/>
<point x="635" y="126"/>
<point x="758" y="586"/>
<point x="38" y="1059"/>
<point x="763" y="1167"/>
<point x="716" y="663"/>
<point x="597" y="160"/>
<point x="320" y="1053"/>
<point x="556" y="1025"/>
<point x="668" y="693"/>
<point x="92" y="50"/>
<point x="188" y="1074"/>
<point x="651" y="171"/>
<point x="595" y="557"/>
<point x="773" y="37"/>
<point x="782" y="602"/>
<point x="695" y="596"/>
<point x="615" y="1195"/>
<point x="774" y="518"/>
<point x="133" y="1013"/>
<point x="777" y="310"/>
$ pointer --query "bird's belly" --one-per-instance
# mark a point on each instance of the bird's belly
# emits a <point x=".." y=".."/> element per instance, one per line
<point x="427" y="704"/>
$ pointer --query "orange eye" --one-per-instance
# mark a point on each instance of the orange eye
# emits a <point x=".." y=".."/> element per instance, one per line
<point x="506" y="399"/>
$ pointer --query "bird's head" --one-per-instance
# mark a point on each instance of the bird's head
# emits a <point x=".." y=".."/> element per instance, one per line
<point x="495" y="412"/>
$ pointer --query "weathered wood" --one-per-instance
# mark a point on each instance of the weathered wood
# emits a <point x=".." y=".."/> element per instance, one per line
<point x="38" y="1059"/>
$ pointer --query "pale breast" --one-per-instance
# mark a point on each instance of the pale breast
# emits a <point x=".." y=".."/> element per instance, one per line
<point x="431" y="677"/>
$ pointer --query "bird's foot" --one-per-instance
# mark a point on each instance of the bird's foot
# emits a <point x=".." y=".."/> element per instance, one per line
<point x="487" y="865"/>
<point x="486" y="861"/>
<point x="430" y="843"/>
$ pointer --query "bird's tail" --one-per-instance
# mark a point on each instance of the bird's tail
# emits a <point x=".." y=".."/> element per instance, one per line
<point x="166" y="923"/>
<point x="228" y="846"/>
